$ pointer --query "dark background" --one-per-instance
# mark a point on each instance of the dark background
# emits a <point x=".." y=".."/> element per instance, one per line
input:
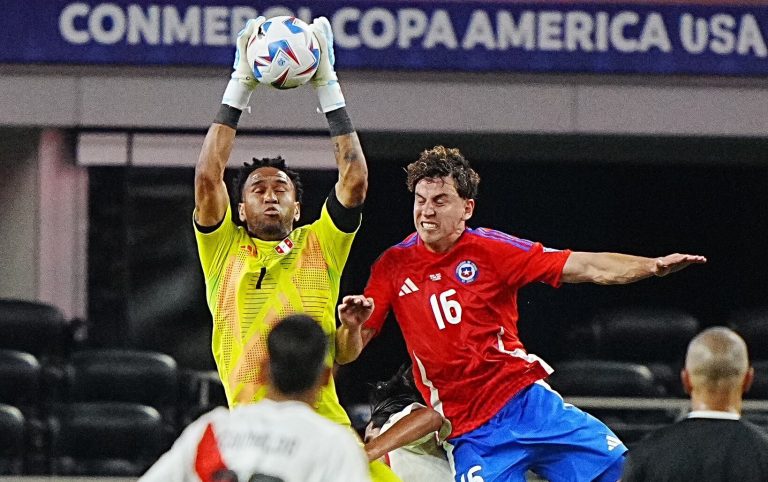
<point x="649" y="196"/>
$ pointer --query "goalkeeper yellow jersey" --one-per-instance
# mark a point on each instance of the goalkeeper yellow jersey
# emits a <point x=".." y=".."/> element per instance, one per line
<point x="251" y="284"/>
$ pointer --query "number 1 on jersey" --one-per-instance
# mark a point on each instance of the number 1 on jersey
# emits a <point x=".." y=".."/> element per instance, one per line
<point x="445" y="309"/>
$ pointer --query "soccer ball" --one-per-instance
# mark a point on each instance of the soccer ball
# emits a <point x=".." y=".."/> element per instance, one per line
<point x="283" y="52"/>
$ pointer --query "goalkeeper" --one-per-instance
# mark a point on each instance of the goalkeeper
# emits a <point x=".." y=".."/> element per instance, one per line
<point x="258" y="268"/>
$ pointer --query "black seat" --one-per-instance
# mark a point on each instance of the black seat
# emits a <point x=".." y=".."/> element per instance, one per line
<point x="34" y="327"/>
<point x="752" y="325"/>
<point x="22" y="383"/>
<point x="603" y="378"/>
<point x="19" y="379"/>
<point x="116" y="375"/>
<point x="645" y="334"/>
<point x="41" y="330"/>
<point x="201" y="391"/>
<point x="105" y="439"/>
<point x="12" y="440"/>
<point x="655" y="337"/>
<point x="759" y="388"/>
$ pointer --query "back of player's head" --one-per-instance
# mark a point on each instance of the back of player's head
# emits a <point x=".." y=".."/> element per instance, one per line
<point x="297" y="348"/>
<point x="276" y="162"/>
<point x="391" y="396"/>
<point x="441" y="161"/>
<point x="717" y="358"/>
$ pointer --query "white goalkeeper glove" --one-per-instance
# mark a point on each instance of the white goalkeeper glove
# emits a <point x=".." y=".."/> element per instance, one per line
<point x="325" y="81"/>
<point x="243" y="82"/>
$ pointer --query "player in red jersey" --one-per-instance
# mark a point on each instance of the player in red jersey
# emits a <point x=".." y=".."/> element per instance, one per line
<point x="454" y="290"/>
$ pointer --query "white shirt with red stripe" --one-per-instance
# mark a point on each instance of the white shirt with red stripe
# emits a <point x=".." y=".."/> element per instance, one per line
<point x="421" y="460"/>
<point x="286" y="441"/>
<point x="458" y="315"/>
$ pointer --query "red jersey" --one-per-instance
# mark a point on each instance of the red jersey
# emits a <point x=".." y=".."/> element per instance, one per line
<point x="458" y="314"/>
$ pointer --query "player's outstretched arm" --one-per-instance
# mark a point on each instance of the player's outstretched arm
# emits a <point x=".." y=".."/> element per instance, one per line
<point x="412" y="427"/>
<point x="615" y="268"/>
<point x="351" y="337"/>
<point x="353" y="171"/>
<point x="210" y="190"/>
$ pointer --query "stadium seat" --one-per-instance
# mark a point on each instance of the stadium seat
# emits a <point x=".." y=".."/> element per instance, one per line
<point x="19" y="379"/>
<point x="645" y="335"/>
<point x="752" y="325"/>
<point x="24" y="386"/>
<point x="12" y="440"/>
<point x="105" y="439"/>
<point x="603" y="378"/>
<point x="655" y="337"/>
<point x="201" y="391"/>
<point x="116" y="375"/>
<point x="582" y="341"/>
<point x="33" y="327"/>
<point x="758" y="391"/>
<point x="759" y="388"/>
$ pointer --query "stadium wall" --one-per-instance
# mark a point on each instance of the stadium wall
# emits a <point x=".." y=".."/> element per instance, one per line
<point x="44" y="199"/>
<point x="184" y="98"/>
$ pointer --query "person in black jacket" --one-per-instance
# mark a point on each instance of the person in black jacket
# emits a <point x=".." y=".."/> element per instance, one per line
<point x="712" y="443"/>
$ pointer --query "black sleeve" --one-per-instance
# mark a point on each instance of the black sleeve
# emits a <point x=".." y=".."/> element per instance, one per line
<point x="208" y="229"/>
<point x="346" y="219"/>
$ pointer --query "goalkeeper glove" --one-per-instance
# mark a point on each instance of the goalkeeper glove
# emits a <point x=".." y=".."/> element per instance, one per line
<point x="243" y="82"/>
<point x="325" y="81"/>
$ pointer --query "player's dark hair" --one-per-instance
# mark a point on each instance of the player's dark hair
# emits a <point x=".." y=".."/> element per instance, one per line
<point x="441" y="161"/>
<point x="391" y="396"/>
<point x="248" y="167"/>
<point x="297" y="348"/>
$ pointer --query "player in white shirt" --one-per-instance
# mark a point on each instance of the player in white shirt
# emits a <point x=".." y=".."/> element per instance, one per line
<point x="279" y="439"/>
<point x="412" y="447"/>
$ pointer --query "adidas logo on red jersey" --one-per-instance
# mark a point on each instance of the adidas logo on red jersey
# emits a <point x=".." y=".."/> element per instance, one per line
<point x="408" y="287"/>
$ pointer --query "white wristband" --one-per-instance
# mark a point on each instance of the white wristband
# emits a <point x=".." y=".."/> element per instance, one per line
<point x="330" y="96"/>
<point x="236" y="94"/>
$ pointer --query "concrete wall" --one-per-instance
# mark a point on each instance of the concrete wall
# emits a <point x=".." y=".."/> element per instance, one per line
<point x="19" y="207"/>
<point x="63" y="225"/>
<point x="185" y="98"/>
<point x="43" y="219"/>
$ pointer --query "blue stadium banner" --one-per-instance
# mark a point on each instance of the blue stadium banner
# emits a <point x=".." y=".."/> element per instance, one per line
<point x="657" y="37"/>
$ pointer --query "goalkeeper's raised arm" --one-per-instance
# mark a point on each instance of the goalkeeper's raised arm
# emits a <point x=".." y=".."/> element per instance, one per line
<point x="211" y="196"/>
<point x="353" y="171"/>
<point x="210" y="190"/>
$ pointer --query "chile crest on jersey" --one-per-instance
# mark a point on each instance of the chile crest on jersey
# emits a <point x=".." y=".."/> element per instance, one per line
<point x="466" y="271"/>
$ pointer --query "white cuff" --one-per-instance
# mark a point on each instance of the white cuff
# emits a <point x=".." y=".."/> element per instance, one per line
<point x="237" y="94"/>
<point x="330" y="96"/>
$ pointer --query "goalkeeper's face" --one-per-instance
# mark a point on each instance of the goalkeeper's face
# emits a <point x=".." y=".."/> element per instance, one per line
<point x="269" y="207"/>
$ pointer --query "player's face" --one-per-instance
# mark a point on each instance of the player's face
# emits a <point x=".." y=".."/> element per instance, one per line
<point x="269" y="206"/>
<point x="439" y="213"/>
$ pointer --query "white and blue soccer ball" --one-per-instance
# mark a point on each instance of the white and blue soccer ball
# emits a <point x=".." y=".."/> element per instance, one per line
<point x="283" y="53"/>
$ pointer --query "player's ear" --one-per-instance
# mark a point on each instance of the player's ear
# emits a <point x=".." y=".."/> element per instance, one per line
<point x="469" y="209"/>
<point x="686" y="379"/>
<point x="749" y="377"/>
<point x="297" y="214"/>
<point x="241" y="211"/>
